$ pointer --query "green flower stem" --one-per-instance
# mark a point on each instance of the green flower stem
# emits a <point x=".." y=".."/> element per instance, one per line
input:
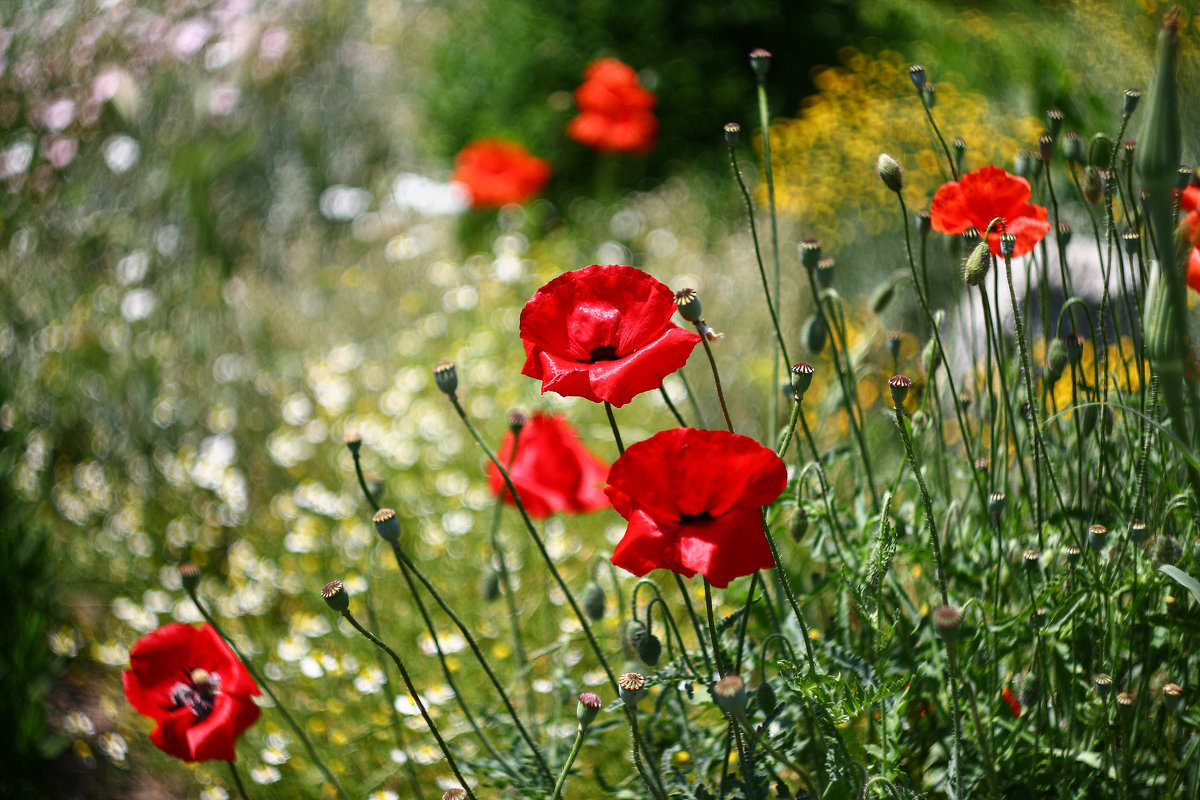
<point x="612" y="423"/>
<point x="650" y="778"/>
<point x="718" y="651"/>
<point x="764" y="121"/>
<point x="362" y="481"/>
<point x="562" y="776"/>
<point x="237" y="780"/>
<point x="692" y="399"/>
<point x="393" y="714"/>
<point x="937" y="132"/>
<point x="266" y="687"/>
<point x="930" y="520"/>
<point x="776" y="754"/>
<point x="985" y="749"/>
<point x="699" y="629"/>
<point x="541" y="545"/>
<point x="672" y="627"/>
<point x="786" y="584"/>
<point x="412" y="690"/>
<point x="409" y="568"/>
<point x="510" y="596"/>
<point x="1005" y="396"/>
<point x="667" y="399"/>
<point x="716" y="378"/>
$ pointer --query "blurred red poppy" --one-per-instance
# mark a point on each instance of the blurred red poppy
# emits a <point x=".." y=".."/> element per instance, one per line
<point x="1189" y="201"/>
<point x="1010" y="699"/>
<point x="552" y="469"/>
<point x="603" y="333"/>
<point x="497" y="172"/>
<point x="979" y="197"/>
<point x="615" y="113"/>
<point x="693" y="500"/>
<point x="188" y="681"/>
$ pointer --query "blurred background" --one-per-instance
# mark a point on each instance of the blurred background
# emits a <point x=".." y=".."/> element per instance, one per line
<point x="227" y="235"/>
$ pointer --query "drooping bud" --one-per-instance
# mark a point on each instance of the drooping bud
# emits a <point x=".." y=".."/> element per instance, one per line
<point x="916" y="73"/>
<point x="1130" y="101"/>
<point x="733" y="134"/>
<point x="593" y="601"/>
<point x="353" y="440"/>
<point x="1093" y="185"/>
<point x="798" y="526"/>
<point x="824" y="273"/>
<point x="765" y="699"/>
<point x="890" y="172"/>
<point x="1056" y="355"/>
<point x="588" y="707"/>
<point x="1074" y="343"/>
<point x="445" y="377"/>
<point x="335" y="596"/>
<point x="189" y="576"/>
<point x="899" y="385"/>
<point x="802" y="375"/>
<point x="810" y="253"/>
<point x="931" y="356"/>
<point x="688" y="303"/>
<point x="760" y="62"/>
<point x="387" y="525"/>
<point x="632" y="688"/>
<point x="975" y="268"/>
<point x="883" y="295"/>
<point x="815" y="334"/>
<point x="730" y="694"/>
<point x="644" y="643"/>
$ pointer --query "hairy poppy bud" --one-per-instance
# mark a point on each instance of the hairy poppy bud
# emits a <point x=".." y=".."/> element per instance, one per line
<point x="1130" y="101"/>
<point x="1056" y="355"/>
<point x="765" y="699"/>
<point x="799" y="523"/>
<point x="632" y="687"/>
<point x="931" y="356"/>
<point x="810" y="253"/>
<point x="587" y="709"/>
<point x="593" y="601"/>
<point x="1158" y="321"/>
<point x="730" y="694"/>
<point x="733" y="134"/>
<point x="335" y="596"/>
<point x="976" y="267"/>
<point x="445" y="377"/>
<point x="644" y="643"/>
<point x="1158" y="155"/>
<point x="815" y="334"/>
<point x="899" y="386"/>
<point x="760" y="62"/>
<point x="890" y="172"/>
<point x="947" y="621"/>
<point x="916" y="74"/>
<point x="688" y="303"/>
<point x="387" y="525"/>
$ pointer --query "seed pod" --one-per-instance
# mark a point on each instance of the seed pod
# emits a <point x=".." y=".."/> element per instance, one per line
<point x="730" y="694"/>
<point x="1073" y="147"/>
<point x="899" y="385"/>
<point x="916" y="73"/>
<point x="810" y="253"/>
<point x="688" y="303"/>
<point x="802" y="375"/>
<point x="445" y="377"/>
<point x="824" y="273"/>
<point x="1130" y="101"/>
<point x="733" y="133"/>
<point x="335" y="596"/>
<point x="1102" y="684"/>
<point x="632" y="688"/>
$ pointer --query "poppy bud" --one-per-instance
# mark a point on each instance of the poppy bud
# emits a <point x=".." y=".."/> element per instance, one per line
<point x="947" y="621"/>
<point x="1073" y="554"/>
<point x="882" y="297"/>
<point x="1046" y="147"/>
<point x="799" y="523"/>
<point x="1031" y="559"/>
<point x="1125" y="702"/>
<point x="445" y="376"/>
<point x="890" y="172"/>
<point x="1073" y="147"/>
<point x="1158" y="321"/>
<point x="1131" y="97"/>
<point x="996" y="503"/>
<point x="1158" y="156"/>
<point x="489" y="585"/>
<point x="894" y="339"/>
<point x="899" y="386"/>
<point x="644" y="643"/>
<point x="1050" y="375"/>
<point x="1100" y="150"/>
<point x="765" y="699"/>
<point x="730" y="695"/>
<point x="1056" y="355"/>
<point x="815" y="334"/>
<point x="931" y="356"/>
<point x="825" y="272"/>
<point x="593" y="601"/>
<point x="588" y="707"/>
<point x="1029" y="691"/>
<point x="189" y="576"/>
<point x="387" y="525"/>
<point x="802" y="375"/>
<point x="1131" y="240"/>
<point x="975" y="268"/>
<point x="1074" y="343"/>
<point x="959" y="145"/>
<point x="516" y="420"/>
<point x="733" y="133"/>
<point x="335" y="596"/>
<point x="1137" y="531"/>
<point x="760" y="62"/>
<point x="457" y="793"/>
<point x="1103" y="684"/>
<point x="1054" y="118"/>
<point x="632" y="688"/>
<point x="810" y="253"/>
<point x="353" y="440"/>
<point x="1097" y="537"/>
<point x="916" y="74"/>
<point x="688" y="303"/>
<point x="924" y="222"/>
<point x="1172" y="696"/>
<point x="1008" y="242"/>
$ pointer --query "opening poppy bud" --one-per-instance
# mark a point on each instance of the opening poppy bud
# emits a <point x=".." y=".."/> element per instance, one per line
<point x="387" y="525"/>
<point x="1097" y="537"/>
<point x="815" y="334"/>
<point x="1093" y="185"/>
<point x="1046" y="146"/>
<point x="760" y="62"/>
<point x="489" y="585"/>
<point x="1031" y="559"/>
<point x="1103" y="684"/>
<point x="445" y="376"/>
<point x="1054" y="119"/>
<point x="810" y="253"/>
<point x="825" y="272"/>
<point x="457" y="793"/>
<point x="1125" y="702"/>
<point x="1183" y="177"/>
<point x="353" y="439"/>
<point x="644" y="643"/>
<point x="1073" y="147"/>
<point x="1172" y="696"/>
<point x="890" y="172"/>
<point x="335" y="596"/>
<point x="799" y="523"/>
<point x="688" y="303"/>
<point x="947" y="621"/>
<point x="1030" y="690"/>
<point x="976" y="267"/>
<point x="996" y="502"/>
<point x="894" y="340"/>
<point x="802" y="375"/>
<point x="516" y="420"/>
<point x="924" y="222"/>
<point x="632" y="688"/>
<point x="733" y="134"/>
<point x="1073" y="554"/>
<point x="1074" y="343"/>
<point x="899" y="386"/>
<point x="916" y="74"/>
<point x="1131" y="98"/>
<point x="587" y="709"/>
<point x="1056" y="355"/>
<point x="1138" y="531"/>
<point x="928" y="94"/>
<point x="730" y="694"/>
<point x="189" y="576"/>
<point x="765" y="699"/>
<point x="593" y="601"/>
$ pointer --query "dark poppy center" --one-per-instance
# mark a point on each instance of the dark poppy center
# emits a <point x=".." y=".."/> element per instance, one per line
<point x="703" y="516"/>
<point x="198" y="692"/>
<point x="605" y="352"/>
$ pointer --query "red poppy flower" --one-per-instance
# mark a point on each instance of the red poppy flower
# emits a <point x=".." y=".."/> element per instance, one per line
<point x="188" y="681"/>
<point x="1010" y="698"/>
<point x="552" y="470"/>
<point x="981" y="196"/>
<point x="496" y="172"/>
<point x="693" y="499"/>
<point x="1189" y="201"/>
<point x="615" y="113"/>
<point x="604" y="333"/>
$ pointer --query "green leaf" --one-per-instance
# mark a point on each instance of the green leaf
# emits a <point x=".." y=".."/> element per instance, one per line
<point x="1183" y="579"/>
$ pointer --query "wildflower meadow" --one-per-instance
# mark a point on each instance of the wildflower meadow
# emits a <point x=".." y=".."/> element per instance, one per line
<point x="551" y="400"/>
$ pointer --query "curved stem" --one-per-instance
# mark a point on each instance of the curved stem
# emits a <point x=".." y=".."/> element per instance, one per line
<point x="237" y="780"/>
<point x="562" y="776"/>
<point x="716" y="379"/>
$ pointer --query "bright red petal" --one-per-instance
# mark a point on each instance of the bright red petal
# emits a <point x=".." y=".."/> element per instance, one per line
<point x="647" y="546"/>
<point x="158" y="661"/>
<point x="553" y="470"/>
<point x="731" y="546"/>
